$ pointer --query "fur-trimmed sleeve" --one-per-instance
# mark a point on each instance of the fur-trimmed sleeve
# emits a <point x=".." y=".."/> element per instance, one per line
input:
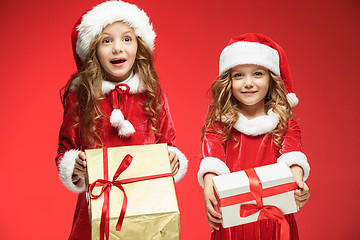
<point x="291" y="151"/>
<point x="213" y="148"/>
<point x="168" y="135"/>
<point x="69" y="146"/>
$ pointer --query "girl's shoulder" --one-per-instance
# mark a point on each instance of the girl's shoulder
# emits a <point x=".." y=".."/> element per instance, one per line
<point x="72" y="96"/>
<point x="162" y="97"/>
<point x="217" y="128"/>
<point x="293" y="125"/>
<point x="70" y="99"/>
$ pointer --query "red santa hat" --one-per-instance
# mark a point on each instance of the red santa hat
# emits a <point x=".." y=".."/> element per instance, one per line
<point x="91" y="24"/>
<point x="259" y="49"/>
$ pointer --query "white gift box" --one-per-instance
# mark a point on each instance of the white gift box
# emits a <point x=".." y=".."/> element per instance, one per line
<point x="232" y="189"/>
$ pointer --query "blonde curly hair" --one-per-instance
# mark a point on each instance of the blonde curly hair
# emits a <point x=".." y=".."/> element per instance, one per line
<point x="224" y="105"/>
<point x="88" y="83"/>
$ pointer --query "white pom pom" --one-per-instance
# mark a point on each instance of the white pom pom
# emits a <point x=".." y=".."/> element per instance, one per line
<point x="126" y="129"/>
<point x="293" y="100"/>
<point x="116" y="118"/>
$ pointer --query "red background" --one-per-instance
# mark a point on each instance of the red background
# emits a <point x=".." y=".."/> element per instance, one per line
<point x="321" y="39"/>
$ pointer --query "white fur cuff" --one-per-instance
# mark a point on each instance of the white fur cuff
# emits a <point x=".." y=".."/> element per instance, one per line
<point x="213" y="165"/>
<point x="298" y="158"/>
<point x="183" y="163"/>
<point x="66" y="168"/>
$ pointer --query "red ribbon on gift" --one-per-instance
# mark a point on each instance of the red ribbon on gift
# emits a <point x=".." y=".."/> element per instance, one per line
<point x="106" y="185"/>
<point x="266" y="212"/>
<point x="257" y="193"/>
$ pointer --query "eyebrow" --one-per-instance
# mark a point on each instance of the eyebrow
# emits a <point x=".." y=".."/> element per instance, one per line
<point x="123" y="33"/>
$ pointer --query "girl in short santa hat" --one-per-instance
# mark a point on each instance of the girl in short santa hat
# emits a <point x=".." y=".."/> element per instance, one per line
<point x="114" y="99"/>
<point x="249" y="124"/>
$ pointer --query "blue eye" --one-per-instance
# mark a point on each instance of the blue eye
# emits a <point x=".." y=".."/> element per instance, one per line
<point x="237" y="75"/>
<point x="127" y="39"/>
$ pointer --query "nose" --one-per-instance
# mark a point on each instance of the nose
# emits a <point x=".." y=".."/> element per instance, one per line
<point x="248" y="83"/>
<point x="117" y="47"/>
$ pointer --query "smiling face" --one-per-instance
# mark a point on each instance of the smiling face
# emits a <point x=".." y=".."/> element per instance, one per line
<point x="250" y="84"/>
<point x="116" y="51"/>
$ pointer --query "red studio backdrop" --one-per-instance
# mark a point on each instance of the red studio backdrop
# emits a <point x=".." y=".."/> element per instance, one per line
<point x="320" y="38"/>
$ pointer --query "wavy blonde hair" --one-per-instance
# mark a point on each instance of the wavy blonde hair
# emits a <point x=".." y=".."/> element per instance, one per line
<point x="88" y="82"/>
<point x="224" y="105"/>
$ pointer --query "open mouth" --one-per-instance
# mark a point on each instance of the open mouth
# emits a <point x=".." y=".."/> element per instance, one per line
<point x="117" y="61"/>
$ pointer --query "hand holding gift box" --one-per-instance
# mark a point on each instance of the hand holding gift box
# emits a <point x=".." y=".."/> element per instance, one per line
<point x="258" y="193"/>
<point x="132" y="193"/>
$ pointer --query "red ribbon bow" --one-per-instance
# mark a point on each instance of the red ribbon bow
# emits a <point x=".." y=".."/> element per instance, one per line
<point x="106" y="187"/>
<point x="266" y="212"/>
<point x="118" y="91"/>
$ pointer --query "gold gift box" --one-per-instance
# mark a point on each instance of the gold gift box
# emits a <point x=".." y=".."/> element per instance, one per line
<point x="152" y="211"/>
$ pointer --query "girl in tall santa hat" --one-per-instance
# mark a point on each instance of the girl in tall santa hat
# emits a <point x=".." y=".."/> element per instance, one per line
<point x="249" y="124"/>
<point x="114" y="99"/>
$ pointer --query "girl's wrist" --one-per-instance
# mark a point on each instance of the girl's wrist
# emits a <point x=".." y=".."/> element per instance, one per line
<point x="208" y="183"/>
<point x="298" y="172"/>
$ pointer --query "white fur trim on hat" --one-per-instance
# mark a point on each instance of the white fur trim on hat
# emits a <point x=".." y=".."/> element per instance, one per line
<point x="211" y="165"/>
<point x="66" y="169"/>
<point x="296" y="158"/>
<point x="183" y="163"/>
<point x="249" y="53"/>
<point x="257" y="126"/>
<point x="95" y="20"/>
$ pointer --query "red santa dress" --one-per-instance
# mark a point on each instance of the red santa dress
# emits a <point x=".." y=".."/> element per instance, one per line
<point x="130" y="104"/>
<point x="255" y="148"/>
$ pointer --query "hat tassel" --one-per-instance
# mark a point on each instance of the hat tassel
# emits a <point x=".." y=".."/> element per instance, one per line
<point x="293" y="100"/>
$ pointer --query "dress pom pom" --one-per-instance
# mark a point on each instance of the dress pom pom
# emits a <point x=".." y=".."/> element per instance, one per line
<point x="116" y="118"/>
<point x="126" y="129"/>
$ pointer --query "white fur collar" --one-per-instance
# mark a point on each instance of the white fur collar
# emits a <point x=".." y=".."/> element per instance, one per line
<point x="132" y="81"/>
<point x="257" y="126"/>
